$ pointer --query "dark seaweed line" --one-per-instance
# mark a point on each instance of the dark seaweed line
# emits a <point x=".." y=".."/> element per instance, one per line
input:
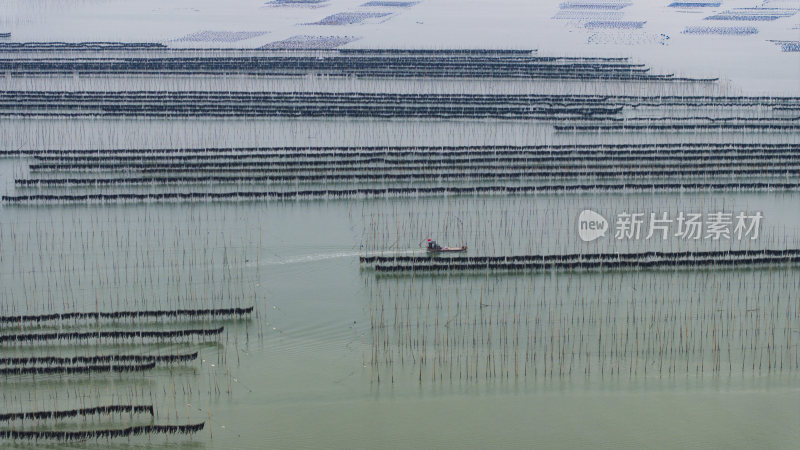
<point x="182" y="173"/>
<point x="112" y="105"/>
<point x="554" y="164"/>
<point x="704" y="100"/>
<point x="447" y="51"/>
<point x="336" y="66"/>
<point x="675" y="127"/>
<point x="110" y="409"/>
<point x="387" y="177"/>
<point x="83" y="335"/>
<point x="347" y="98"/>
<point x="579" y="257"/>
<point x="332" y="58"/>
<point x="392" y="191"/>
<point x="553" y="74"/>
<point x="471" y="64"/>
<point x="318" y="106"/>
<point x="295" y="100"/>
<point x="336" y="151"/>
<point x="432" y="67"/>
<point x="377" y="67"/>
<point x="365" y="64"/>
<point x="72" y="370"/>
<point x="233" y="111"/>
<point x="83" y="46"/>
<point x="589" y="265"/>
<point x="128" y="314"/>
<point x="336" y="97"/>
<point x="344" y="160"/>
<point x="646" y="120"/>
<point x="330" y="107"/>
<point x="92" y="49"/>
<point x="396" y="157"/>
<point x="59" y="360"/>
<point x="417" y="100"/>
<point x="265" y="167"/>
<point x="325" y="97"/>
<point x="114" y="46"/>
<point x="97" y="434"/>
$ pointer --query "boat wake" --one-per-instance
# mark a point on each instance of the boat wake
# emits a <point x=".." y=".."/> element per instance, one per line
<point x="302" y="259"/>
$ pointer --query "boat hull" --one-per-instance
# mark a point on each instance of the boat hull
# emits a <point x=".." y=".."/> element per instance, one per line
<point x="448" y="250"/>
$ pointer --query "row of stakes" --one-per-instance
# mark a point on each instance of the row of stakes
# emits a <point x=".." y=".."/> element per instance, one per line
<point x="388" y="177"/>
<point x="390" y="192"/>
<point x="438" y="151"/>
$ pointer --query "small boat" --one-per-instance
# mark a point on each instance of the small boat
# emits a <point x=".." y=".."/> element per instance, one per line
<point x="433" y="247"/>
<point x="448" y="249"/>
<point x="4" y="35"/>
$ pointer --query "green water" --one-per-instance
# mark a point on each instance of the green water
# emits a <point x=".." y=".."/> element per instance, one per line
<point x="300" y="373"/>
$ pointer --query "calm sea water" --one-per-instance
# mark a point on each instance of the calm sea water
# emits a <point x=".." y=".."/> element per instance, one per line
<point x="299" y="371"/>
<point x="331" y="359"/>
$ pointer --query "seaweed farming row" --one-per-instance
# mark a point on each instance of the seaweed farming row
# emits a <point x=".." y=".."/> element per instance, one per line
<point x="90" y="47"/>
<point x="587" y="261"/>
<point x="576" y="257"/>
<point x="31" y="357"/>
<point x="442" y="152"/>
<point x="292" y="165"/>
<point x="113" y="335"/>
<point x="241" y="104"/>
<point x="567" y="112"/>
<point x="216" y="312"/>
<point x="750" y="165"/>
<point x="60" y="47"/>
<point x="108" y="409"/>
<point x="341" y="63"/>
<point x="780" y="172"/>
<point x="350" y="104"/>
<point x="349" y="18"/>
<point x="448" y="51"/>
<point x="392" y="192"/>
<point x="621" y="264"/>
<point x="682" y="127"/>
<point x="18" y="47"/>
<point x="220" y="36"/>
<point x="101" y="434"/>
<point x="308" y="42"/>
<point x="376" y="168"/>
<point x="72" y="370"/>
<point x="373" y="164"/>
<point x="61" y="360"/>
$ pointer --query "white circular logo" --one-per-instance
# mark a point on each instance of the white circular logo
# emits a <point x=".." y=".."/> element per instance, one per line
<point x="591" y="225"/>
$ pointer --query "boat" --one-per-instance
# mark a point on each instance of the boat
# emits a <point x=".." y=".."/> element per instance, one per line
<point x="433" y="247"/>
<point x="448" y="249"/>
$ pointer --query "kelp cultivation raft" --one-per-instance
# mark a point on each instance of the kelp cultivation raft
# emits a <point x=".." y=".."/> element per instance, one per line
<point x="19" y="369"/>
<point x="587" y="261"/>
<point x="183" y="229"/>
